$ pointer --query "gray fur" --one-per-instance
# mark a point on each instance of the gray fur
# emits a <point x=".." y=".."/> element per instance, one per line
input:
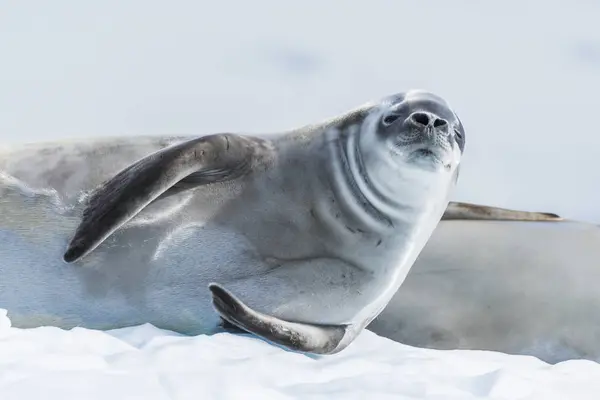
<point x="311" y="230"/>
<point x="519" y="287"/>
<point x="467" y="211"/>
<point x="208" y="159"/>
<point x="308" y="338"/>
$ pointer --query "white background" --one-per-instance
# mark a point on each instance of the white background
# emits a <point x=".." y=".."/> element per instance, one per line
<point x="523" y="75"/>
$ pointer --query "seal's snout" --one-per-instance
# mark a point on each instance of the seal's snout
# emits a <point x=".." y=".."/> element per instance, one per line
<point x="427" y="122"/>
<point x="421" y="128"/>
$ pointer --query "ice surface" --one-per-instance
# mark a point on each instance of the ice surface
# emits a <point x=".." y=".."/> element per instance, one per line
<point x="144" y="362"/>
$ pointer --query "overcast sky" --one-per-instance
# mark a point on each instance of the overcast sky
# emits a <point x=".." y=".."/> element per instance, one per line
<point x="523" y="76"/>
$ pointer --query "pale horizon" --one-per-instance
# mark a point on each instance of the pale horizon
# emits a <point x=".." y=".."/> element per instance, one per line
<point x="521" y="75"/>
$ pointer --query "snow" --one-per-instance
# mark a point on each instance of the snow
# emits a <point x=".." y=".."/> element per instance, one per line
<point x="145" y="362"/>
<point x="523" y="77"/>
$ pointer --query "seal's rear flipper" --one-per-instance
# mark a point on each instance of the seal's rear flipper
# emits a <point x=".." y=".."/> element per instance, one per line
<point x="229" y="327"/>
<point x="467" y="211"/>
<point x="303" y="337"/>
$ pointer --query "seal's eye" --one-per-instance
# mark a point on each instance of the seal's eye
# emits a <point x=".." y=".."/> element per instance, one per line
<point x="390" y="119"/>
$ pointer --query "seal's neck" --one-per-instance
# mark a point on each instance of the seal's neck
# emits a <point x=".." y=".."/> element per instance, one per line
<point x="351" y="184"/>
<point x="379" y="205"/>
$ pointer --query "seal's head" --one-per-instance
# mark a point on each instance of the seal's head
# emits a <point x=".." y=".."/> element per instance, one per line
<point x="420" y="128"/>
<point x="407" y="149"/>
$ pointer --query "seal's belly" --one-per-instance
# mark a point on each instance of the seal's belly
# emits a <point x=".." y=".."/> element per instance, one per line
<point x="156" y="273"/>
<point x="157" y="267"/>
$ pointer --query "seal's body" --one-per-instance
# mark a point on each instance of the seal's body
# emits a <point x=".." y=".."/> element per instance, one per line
<point x="519" y="283"/>
<point x="300" y="237"/>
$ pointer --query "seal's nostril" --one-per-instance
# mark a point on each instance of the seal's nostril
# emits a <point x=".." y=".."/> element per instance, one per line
<point x="439" y="123"/>
<point x="421" y="119"/>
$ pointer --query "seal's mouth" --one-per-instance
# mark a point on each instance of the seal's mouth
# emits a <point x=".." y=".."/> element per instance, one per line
<point x="425" y="153"/>
<point x="431" y="157"/>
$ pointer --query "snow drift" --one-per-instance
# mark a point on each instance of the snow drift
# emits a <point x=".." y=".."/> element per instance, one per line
<point x="144" y="362"/>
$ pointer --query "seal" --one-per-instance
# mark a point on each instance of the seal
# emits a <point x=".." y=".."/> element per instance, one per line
<point x="512" y="281"/>
<point x="298" y="237"/>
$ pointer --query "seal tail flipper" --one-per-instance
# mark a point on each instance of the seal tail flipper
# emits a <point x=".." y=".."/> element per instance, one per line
<point x="468" y="211"/>
<point x="297" y="336"/>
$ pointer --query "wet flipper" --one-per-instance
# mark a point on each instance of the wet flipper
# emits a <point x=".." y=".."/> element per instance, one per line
<point x="468" y="211"/>
<point x="302" y="337"/>
<point x="200" y="161"/>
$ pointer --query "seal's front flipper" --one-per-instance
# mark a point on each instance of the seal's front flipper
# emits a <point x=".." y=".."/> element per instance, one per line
<point x="467" y="211"/>
<point x="208" y="159"/>
<point x="303" y="337"/>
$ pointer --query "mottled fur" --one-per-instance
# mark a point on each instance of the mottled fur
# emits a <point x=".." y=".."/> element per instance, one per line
<point x="303" y="238"/>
